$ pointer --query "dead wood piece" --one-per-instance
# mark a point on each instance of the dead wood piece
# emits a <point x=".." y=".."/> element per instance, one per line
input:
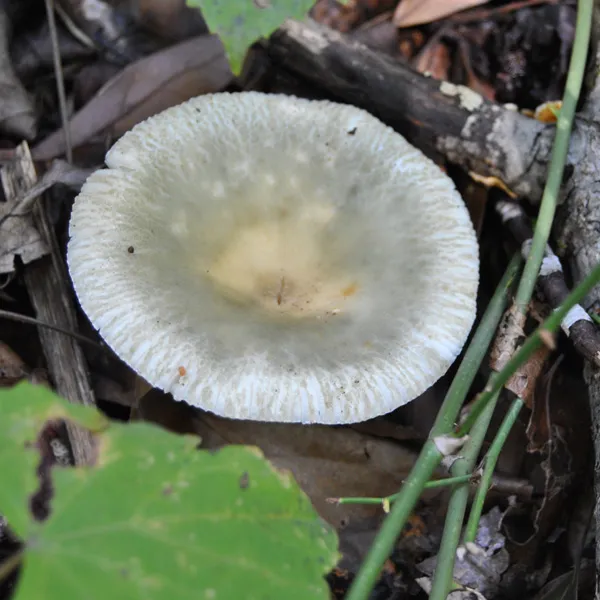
<point x="50" y="295"/>
<point x="60" y="172"/>
<point x="510" y="334"/>
<point x="477" y="134"/>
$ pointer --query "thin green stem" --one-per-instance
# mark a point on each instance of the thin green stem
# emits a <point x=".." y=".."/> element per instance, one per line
<point x="532" y="343"/>
<point x="430" y="456"/>
<point x="559" y="154"/>
<point x="435" y="483"/>
<point x="488" y="471"/>
<point x="445" y="482"/>
<point x="457" y="506"/>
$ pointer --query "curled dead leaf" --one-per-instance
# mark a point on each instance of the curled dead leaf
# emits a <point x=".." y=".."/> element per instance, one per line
<point x="416" y="12"/>
<point x="492" y="182"/>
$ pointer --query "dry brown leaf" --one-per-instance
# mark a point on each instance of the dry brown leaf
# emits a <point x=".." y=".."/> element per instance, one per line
<point x="417" y="12"/>
<point x="524" y="381"/>
<point x="539" y="428"/>
<point x="434" y="59"/>
<point x="12" y="366"/>
<point x="144" y="88"/>
<point x="559" y="436"/>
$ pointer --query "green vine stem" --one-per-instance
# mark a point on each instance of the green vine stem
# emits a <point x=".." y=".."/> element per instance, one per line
<point x="559" y="154"/>
<point x="488" y="470"/>
<point x="430" y="456"/>
<point x="435" y="483"/>
<point x="457" y="506"/>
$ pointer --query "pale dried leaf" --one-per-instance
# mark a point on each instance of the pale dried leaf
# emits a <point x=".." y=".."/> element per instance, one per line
<point x="448" y="445"/>
<point x="417" y="12"/>
<point x="464" y="594"/>
<point x="481" y="571"/>
<point x="144" y="88"/>
<point x="18" y="235"/>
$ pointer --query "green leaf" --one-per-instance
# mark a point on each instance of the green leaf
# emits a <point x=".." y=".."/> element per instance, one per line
<point x="157" y="519"/>
<point x="25" y="409"/>
<point x="241" y="22"/>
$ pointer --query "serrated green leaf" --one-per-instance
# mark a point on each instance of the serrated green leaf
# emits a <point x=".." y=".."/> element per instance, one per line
<point x="25" y="409"/>
<point x="158" y="519"/>
<point x="239" y="23"/>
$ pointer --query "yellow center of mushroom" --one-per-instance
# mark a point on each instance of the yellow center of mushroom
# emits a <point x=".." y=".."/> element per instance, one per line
<point x="281" y="266"/>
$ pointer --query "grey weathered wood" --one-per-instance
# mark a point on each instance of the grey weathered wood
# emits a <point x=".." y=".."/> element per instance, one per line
<point x="50" y="295"/>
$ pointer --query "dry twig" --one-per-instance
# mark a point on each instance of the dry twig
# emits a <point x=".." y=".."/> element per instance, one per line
<point x="577" y="325"/>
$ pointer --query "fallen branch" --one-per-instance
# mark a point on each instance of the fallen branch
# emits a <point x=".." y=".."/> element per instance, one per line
<point x="470" y="131"/>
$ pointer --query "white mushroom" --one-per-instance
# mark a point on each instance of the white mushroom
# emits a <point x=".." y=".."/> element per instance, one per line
<point x="272" y="258"/>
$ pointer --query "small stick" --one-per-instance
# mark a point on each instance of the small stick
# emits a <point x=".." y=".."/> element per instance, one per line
<point x="577" y="324"/>
<point x="13" y="316"/>
<point x="60" y="82"/>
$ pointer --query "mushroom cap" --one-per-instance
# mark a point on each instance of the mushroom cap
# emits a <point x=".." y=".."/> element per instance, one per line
<point x="272" y="258"/>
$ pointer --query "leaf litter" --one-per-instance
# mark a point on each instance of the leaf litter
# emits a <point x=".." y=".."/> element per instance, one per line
<point x="491" y="48"/>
